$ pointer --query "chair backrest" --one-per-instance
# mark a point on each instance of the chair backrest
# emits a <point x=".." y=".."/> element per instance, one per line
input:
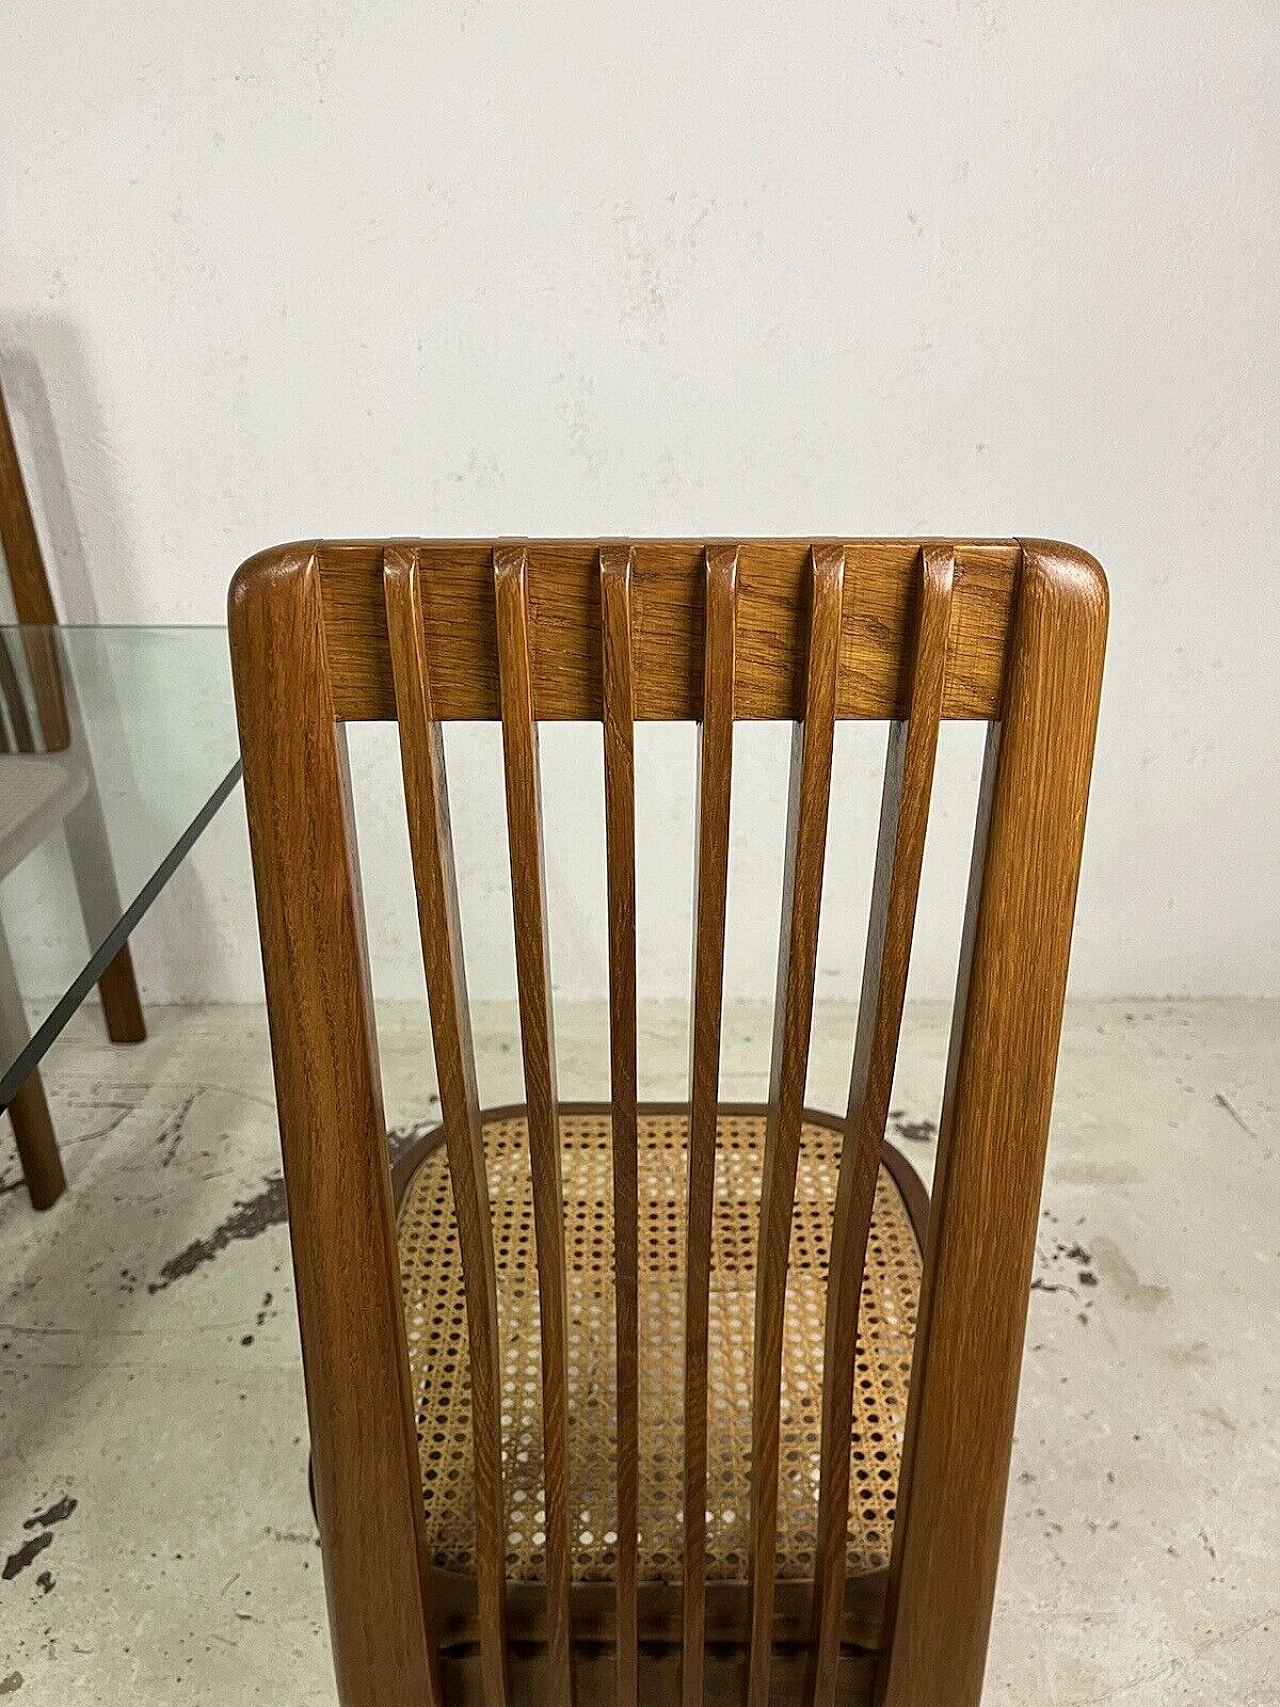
<point x="910" y="632"/>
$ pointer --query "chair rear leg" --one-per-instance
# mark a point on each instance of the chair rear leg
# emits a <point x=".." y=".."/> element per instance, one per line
<point x="32" y="1127"/>
<point x="37" y="1144"/>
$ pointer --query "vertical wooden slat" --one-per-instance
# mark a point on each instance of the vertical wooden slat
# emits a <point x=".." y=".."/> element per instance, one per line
<point x="364" y="1450"/>
<point x="715" y="775"/>
<point x="32" y="597"/>
<point x="32" y="594"/>
<point x="904" y="817"/>
<point x="533" y="983"/>
<point x="994" y="1128"/>
<point x="812" y="749"/>
<point x="431" y="842"/>
<point x="620" y="838"/>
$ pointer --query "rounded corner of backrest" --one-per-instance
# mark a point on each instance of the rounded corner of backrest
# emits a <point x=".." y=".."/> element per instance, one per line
<point x="1069" y="579"/>
<point x="267" y="578"/>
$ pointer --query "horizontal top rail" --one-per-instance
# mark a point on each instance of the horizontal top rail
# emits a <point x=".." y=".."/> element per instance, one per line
<point x="456" y="579"/>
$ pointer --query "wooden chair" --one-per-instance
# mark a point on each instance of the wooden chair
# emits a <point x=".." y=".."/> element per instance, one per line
<point x="601" y="1416"/>
<point x="47" y="781"/>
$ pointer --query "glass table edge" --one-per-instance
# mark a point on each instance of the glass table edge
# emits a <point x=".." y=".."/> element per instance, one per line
<point x="30" y="1056"/>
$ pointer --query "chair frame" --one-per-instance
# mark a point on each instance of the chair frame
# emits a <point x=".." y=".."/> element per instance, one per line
<point x="85" y="829"/>
<point x="1010" y="632"/>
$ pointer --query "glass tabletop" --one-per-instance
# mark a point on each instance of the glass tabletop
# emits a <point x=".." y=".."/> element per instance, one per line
<point x="117" y="746"/>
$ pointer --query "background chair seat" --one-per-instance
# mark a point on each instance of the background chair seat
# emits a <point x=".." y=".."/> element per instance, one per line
<point x="37" y="791"/>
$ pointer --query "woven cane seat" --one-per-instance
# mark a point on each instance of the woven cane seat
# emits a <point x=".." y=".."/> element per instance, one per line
<point x="435" y="1305"/>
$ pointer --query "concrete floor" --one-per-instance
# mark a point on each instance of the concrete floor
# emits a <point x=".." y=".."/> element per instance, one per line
<point x="153" y="1505"/>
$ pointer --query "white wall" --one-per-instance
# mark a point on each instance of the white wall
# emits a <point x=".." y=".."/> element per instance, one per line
<point x="977" y="268"/>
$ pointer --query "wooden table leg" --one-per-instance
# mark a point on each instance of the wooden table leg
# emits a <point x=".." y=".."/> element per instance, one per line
<point x="121" y="1008"/>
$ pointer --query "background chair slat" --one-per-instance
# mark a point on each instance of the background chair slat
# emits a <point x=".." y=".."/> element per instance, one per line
<point x="533" y="983"/>
<point x="620" y="846"/>
<point x="812" y="751"/>
<point x="904" y="817"/>
<point x="435" y="880"/>
<point x="711" y="886"/>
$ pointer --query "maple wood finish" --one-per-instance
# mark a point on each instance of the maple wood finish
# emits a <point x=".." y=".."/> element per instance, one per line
<point x="118" y="988"/>
<point x="906" y="631"/>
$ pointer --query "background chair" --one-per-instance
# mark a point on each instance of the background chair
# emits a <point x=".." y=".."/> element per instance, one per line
<point x="46" y="780"/>
<point x="503" y="1525"/>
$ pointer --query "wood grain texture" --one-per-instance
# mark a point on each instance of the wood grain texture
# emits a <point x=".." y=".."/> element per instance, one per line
<point x="994" y="1128"/>
<point x="812" y="751"/>
<point x="904" y="817"/>
<point x="435" y="879"/>
<point x="368" y="1493"/>
<point x="537" y="1037"/>
<point x="618" y="697"/>
<point x="711" y="888"/>
<point x="667" y="616"/>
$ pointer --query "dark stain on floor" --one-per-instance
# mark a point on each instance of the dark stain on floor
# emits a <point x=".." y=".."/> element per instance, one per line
<point x="1242" y="1124"/>
<point x="12" y="1684"/>
<point x="172" y="1133"/>
<point x="46" y="1581"/>
<point x="914" y="1131"/>
<point x="30" y="1551"/>
<point x="261" y="1318"/>
<point x="400" y="1138"/>
<point x="25" y="1555"/>
<point x="1124" y="1281"/>
<point x="249" y="1217"/>
<point x="1055" y="1260"/>
<point x="58" y="1512"/>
